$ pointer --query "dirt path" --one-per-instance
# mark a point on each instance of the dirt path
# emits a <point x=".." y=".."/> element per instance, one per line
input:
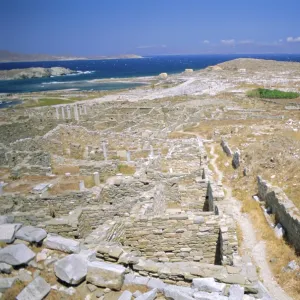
<point x="250" y="246"/>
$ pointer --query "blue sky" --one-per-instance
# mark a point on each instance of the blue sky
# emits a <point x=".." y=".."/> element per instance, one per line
<point x="149" y="27"/>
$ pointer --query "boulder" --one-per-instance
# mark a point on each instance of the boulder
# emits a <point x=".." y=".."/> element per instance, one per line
<point x="6" y="283"/>
<point x="8" y="231"/>
<point x="236" y="292"/>
<point x="88" y="254"/>
<point x="208" y="285"/>
<point x="178" y="292"/>
<point x="103" y="274"/>
<point x="209" y="296"/>
<point x="155" y="283"/>
<point x="38" y="289"/>
<point x="140" y="280"/>
<point x="72" y="269"/>
<point x="60" y="243"/>
<point x="126" y="295"/>
<point x="16" y="255"/>
<point x="5" y="268"/>
<point x="31" y="234"/>
<point x="148" y="296"/>
<point x="136" y="294"/>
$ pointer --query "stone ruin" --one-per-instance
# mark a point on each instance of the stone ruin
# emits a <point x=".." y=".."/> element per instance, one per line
<point x="113" y="184"/>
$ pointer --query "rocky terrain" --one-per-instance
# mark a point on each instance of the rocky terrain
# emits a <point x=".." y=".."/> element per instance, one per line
<point x="33" y="73"/>
<point x="185" y="189"/>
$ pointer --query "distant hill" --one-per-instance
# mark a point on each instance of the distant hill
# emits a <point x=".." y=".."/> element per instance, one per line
<point x="7" y="56"/>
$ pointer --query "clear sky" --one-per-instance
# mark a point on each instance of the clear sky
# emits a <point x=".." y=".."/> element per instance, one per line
<point x="149" y="27"/>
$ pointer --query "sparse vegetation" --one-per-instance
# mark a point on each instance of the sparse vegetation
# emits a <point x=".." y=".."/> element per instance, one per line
<point x="126" y="169"/>
<point x="271" y="94"/>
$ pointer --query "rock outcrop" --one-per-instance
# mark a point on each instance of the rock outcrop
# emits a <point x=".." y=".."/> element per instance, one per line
<point x="16" y="255"/>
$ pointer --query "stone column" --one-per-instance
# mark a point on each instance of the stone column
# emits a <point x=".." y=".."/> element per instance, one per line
<point x="84" y="108"/>
<point x="57" y="113"/>
<point x="81" y="186"/>
<point x="1" y="188"/>
<point x="76" y="116"/>
<point x="171" y="170"/>
<point x="68" y="112"/>
<point x="96" y="178"/>
<point x="104" y="150"/>
<point x="128" y="156"/>
<point x="63" y="112"/>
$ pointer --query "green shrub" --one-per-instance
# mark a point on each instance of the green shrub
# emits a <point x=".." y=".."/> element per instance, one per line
<point x="271" y="94"/>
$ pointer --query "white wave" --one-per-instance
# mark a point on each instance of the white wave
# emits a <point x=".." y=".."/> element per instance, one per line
<point x="58" y="82"/>
<point x="81" y="73"/>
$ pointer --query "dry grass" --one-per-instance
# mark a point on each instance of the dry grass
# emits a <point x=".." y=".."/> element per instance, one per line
<point x="25" y="183"/>
<point x="135" y="287"/>
<point x="180" y="135"/>
<point x="126" y="169"/>
<point x="14" y="291"/>
<point x="61" y="170"/>
<point x="277" y="250"/>
<point x="56" y="295"/>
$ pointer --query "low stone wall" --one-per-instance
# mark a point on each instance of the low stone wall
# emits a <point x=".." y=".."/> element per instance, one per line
<point x="26" y="129"/>
<point x="121" y="191"/>
<point x="284" y="209"/>
<point x="105" y="169"/>
<point x="59" y="205"/>
<point x="174" y="237"/>
<point x="172" y="272"/>
<point x="95" y="215"/>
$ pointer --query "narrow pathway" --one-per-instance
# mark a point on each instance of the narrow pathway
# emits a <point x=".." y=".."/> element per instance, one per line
<point x="250" y="246"/>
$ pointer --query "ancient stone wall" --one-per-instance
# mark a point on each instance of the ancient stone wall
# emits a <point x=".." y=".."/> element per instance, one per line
<point x="284" y="209"/>
<point x="120" y="191"/>
<point x="174" y="237"/>
<point x="215" y="193"/>
<point x="29" y="128"/>
<point x="105" y="169"/>
<point x="36" y="158"/>
<point x="26" y="208"/>
<point x="27" y="144"/>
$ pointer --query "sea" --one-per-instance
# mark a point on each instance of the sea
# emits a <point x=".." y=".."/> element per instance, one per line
<point x="87" y="71"/>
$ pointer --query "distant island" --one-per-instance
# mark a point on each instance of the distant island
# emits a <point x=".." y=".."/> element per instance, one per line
<point x="33" y="73"/>
<point x="7" y="56"/>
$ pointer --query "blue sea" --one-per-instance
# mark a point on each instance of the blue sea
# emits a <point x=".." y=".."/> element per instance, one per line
<point x="88" y="70"/>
